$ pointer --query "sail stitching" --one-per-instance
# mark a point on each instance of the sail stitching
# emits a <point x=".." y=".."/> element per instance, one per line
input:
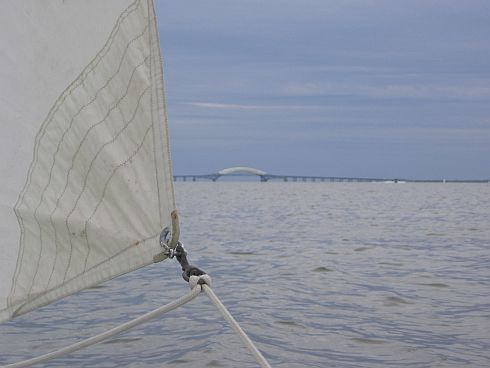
<point x="83" y="139"/>
<point x="122" y="164"/>
<point x="92" y="163"/>
<point x="161" y="89"/>
<point x="119" y="133"/>
<point x="70" y="89"/>
<point x="63" y="139"/>
<point x="86" y="179"/>
<point x="73" y="160"/>
<point x="58" y="149"/>
<point x="109" y="259"/>
<point x="112" y="175"/>
<point x="153" y="122"/>
<point x="88" y="173"/>
<point x="78" y="81"/>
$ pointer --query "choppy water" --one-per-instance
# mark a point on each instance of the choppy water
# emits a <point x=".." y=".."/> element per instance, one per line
<point x="319" y="274"/>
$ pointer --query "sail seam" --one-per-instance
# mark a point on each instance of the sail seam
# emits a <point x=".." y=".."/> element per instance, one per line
<point x="73" y="278"/>
<point x="85" y="181"/>
<point x="49" y="118"/>
<point x="93" y="160"/>
<point x="63" y="139"/>
<point x="160" y="89"/>
<point x="100" y="201"/>
<point x="72" y="166"/>
<point x="74" y="85"/>
<point x="79" y="149"/>
<point x="91" y="164"/>
<point x="112" y="175"/>
<point x="155" y="136"/>
<point x="47" y="121"/>
<point x="29" y="300"/>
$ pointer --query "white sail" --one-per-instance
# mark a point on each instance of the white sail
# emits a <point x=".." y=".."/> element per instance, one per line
<point x="86" y="182"/>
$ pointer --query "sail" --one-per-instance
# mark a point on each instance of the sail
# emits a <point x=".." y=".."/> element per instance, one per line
<point x="86" y="181"/>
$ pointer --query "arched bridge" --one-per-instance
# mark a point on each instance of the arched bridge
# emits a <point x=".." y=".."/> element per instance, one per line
<point x="242" y="171"/>
<point x="264" y="176"/>
<point x="231" y="171"/>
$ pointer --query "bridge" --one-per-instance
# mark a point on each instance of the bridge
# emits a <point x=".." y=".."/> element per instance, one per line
<point x="232" y="171"/>
<point x="264" y="176"/>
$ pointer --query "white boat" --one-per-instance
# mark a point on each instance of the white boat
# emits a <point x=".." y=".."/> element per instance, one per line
<point x="87" y="184"/>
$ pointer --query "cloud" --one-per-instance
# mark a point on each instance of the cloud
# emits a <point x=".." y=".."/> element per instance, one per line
<point x="330" y="86"/>
<point x="226" y="106"/>
<point x="418" y="91"/>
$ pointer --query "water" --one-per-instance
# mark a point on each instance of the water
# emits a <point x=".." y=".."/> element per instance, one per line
<point x="319" y="275"/>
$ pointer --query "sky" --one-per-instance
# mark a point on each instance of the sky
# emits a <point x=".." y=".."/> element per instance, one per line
<point x="390" y="89"/>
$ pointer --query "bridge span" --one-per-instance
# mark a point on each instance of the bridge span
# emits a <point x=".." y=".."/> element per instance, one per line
<point x="264" y="176"/>
<point x="232" y="171"/>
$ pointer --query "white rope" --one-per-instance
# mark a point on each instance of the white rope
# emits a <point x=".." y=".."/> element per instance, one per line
<point x="235" y="326"/>
<point x="197" y="284"/>
<point x="110" y="333"/>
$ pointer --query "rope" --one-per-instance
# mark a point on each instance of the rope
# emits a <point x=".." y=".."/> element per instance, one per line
<point x="235" y="326"/>
<point x="110" y="333"/>
<point x="197" y="284"/>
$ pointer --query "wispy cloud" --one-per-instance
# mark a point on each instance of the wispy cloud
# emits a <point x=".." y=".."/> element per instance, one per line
<point x="421" y="91"/>
<point x="226" y="106"/>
